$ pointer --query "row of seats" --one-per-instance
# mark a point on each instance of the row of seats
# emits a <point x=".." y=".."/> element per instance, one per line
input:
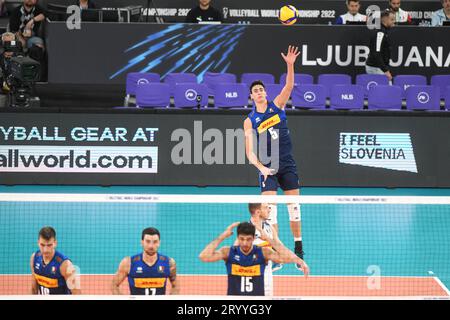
<point x="310" y="96"/>
<point x="328" y="80"/>
<point x="186" y="92"/>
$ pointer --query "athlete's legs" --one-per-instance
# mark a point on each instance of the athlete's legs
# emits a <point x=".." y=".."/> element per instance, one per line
<point x="294" y="218"/>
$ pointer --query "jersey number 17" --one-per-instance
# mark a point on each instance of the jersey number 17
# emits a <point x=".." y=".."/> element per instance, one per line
<point x="150" y="292"/>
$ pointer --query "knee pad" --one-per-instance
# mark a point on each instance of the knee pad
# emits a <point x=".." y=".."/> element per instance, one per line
<point x="294" y="212"/>
<point x="273" y="214"/>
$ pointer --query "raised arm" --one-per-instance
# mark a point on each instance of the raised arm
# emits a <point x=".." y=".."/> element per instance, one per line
<point x="211" y="254"/>
<point x="121" y="274"/>
<point x="173" y="277"/>
<point x="70" y="275"/>
<point x="292" y="54"/>
<point x="34" y="284"/>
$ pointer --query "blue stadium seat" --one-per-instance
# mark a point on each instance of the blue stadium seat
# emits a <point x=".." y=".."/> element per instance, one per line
<point x="367" y="81"/>
<point x="385" y="98"/>
<point x="347" y="96"/>
<point x="266" y="78"/>
<point x="423" y="98"/>
<point x="173" y="78"/>
<point x="329" y="80"/>
<point x="231" y="95"/>
<point x="153" y="95"/>
<point x="447" y="97"/>
<point x="299" y="78"/>
<point x="311" y="96"/>
<point x="441" y="81"/>
<point x="405" y="81"/>
<point x="135" y="78"/>
<point x="190" y="95"/>
<point x="210" y="79"/>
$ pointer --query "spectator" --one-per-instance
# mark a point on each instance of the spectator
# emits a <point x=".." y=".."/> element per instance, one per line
<point x="25" y="22"/>
<point x="401" y="16"/>
<point x="353" y="14"/>
<point x="439" y="16"/>
<point x="380" y="46"/>
<point x="204" y="12"/>
<point x="9" y="48"/>
<point x="86" y="4"/>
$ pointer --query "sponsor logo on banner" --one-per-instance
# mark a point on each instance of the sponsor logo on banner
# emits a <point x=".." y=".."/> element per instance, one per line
<point x="67" y="155"/>
<point x="85" y="159"/>
<point x="393" y="151"/>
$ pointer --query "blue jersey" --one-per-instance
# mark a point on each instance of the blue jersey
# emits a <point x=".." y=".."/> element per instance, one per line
<point x="273" y="125"/>
<point x="48" y="276"/>
<point x="148" y="280"/>
<point x="246" y="272"/>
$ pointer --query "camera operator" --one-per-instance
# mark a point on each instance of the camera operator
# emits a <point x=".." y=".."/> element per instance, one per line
<point x="25" y="22"/>
<point x="10" y="48"/>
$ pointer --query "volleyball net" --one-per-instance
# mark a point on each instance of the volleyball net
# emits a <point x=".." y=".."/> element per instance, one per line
<point x="355" y="246"/>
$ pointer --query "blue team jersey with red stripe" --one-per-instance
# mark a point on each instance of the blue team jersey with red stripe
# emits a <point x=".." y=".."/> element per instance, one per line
<point x="148" y="280"/>
<point x="272" y="124"/>
<point x="245" y="272"/>
<point x="48" y="276"/>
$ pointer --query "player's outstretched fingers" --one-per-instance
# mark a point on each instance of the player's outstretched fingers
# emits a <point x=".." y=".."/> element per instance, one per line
<point x="305" y="270"/>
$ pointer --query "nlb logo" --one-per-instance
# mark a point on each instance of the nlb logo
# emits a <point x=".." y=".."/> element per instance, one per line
<point x="348" y="97"/>
<point x="231" y="95"/>
<point x="392" y="151"/>
<point x="309" y="96"/>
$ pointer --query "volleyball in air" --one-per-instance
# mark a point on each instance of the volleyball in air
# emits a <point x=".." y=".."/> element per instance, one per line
<point x="288" y="15"/>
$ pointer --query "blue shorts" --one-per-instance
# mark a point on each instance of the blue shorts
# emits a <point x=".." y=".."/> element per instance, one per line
<point x="286" y="178"/>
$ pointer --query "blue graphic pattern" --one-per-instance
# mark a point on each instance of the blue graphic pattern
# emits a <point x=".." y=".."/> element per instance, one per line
<point x="192" y="49"/>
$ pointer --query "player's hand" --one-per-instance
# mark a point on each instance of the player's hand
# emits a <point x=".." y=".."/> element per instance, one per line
<point x="388" y="75"/>
<point x="267" y="172"/>
<point x="229" y="230"/>
<point x="291" y="55"/>
<point x="305" y="269"/>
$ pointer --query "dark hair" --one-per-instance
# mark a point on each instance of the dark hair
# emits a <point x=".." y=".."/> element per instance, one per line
<point x="252" y="207"/>
<point x="246" y="228"/>
<point x="386" y="13"/>
<point x="348" y="1"/>
<point x="257" y="83"/>
<point x="150" y="232"/>
<point x="47" y="233"/>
